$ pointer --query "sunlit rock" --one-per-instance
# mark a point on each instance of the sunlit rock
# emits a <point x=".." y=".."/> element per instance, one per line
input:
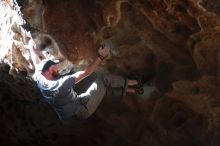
<point x="174" y="45"/>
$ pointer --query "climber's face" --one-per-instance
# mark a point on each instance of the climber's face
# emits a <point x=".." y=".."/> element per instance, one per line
<point x="53" y="70"/>
<point x="51" y="73"/>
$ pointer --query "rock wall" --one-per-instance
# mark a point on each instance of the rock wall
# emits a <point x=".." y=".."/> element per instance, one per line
<point x="173" y="43"/>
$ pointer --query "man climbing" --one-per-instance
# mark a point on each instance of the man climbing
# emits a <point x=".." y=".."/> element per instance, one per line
<point x="60" y="90"/>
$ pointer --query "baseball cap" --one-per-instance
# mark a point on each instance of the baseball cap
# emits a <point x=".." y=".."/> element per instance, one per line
<point x="45" y="64"/>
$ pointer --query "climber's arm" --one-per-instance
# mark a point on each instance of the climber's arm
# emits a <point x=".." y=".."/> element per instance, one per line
<point x="89" y="70"/>
<point x="103" y="52"/>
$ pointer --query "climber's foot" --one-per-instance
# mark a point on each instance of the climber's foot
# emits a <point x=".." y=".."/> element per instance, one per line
<point x="139" y="91"/>
<point x="140" y="81"/>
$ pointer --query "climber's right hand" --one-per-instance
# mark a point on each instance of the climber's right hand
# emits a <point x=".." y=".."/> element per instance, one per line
<point x="104" y="51"/>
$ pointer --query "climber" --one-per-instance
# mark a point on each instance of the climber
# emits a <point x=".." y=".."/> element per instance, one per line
<point x="59" y="90"/>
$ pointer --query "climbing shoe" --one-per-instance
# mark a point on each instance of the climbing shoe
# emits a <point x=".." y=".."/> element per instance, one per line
<point x="139" y="91"/>
<point x="140" y="81"/>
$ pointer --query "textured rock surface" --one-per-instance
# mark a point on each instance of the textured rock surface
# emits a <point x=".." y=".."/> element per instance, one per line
<point x="176" y="43"/>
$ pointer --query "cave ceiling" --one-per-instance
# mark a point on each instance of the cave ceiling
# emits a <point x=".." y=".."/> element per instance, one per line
<point x="175" y="43"/>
